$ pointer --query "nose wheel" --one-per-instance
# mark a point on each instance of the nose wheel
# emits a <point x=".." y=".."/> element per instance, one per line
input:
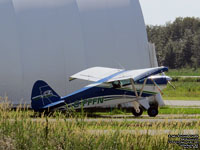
<point x="152" y="111"/>
<point x="137" y="114"/>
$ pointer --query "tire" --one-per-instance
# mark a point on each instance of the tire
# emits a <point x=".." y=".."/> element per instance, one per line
<point x="137" y="114"/>
<point x="152" y="111"/>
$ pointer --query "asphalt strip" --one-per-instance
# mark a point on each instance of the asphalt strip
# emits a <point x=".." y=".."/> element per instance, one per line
<point x="145" y="132"/>
<point x="181" y="103"/>
<point x="114" y="120"/>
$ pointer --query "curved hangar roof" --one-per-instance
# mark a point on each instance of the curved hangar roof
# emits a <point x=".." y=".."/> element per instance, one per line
<point x="53" y="39"/>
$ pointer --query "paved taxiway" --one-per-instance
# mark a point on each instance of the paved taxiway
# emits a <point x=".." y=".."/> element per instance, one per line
<point x="182" y="103"/>
<point x="131" y="118"/>
<point x="145" y="118"/>
<point x="149" y="132"/>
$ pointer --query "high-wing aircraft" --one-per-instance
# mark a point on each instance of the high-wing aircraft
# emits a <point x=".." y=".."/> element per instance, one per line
<point x="110" y="87"/>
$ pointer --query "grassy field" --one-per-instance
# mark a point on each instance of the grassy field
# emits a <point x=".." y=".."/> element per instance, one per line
<point x="186" y="89"/>
<point x="184" y="72"/>
<point x="18" y="130"/>
<point x="25" y="134"/>
<point x="174" y="110"/>
<point x="162" y="110"/>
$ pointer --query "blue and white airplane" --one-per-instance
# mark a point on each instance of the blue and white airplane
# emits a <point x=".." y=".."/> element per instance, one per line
<point x="111" y="87"/>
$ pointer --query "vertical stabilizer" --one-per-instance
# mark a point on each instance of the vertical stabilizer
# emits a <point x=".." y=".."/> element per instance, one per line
<point x="43" y="95"/>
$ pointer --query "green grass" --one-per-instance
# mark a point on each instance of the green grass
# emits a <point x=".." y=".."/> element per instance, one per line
<point x="184" y="91"/>
<point x="180" y="111"/>
<point x="184" y="72"/>
<point x="185" y="79"/>
<point x="19" y="130"/>
<point x="174" y="110"/>
<point x="181" y="98"/>
<point x="187" y="88"/>
<point x="162" y="110"/>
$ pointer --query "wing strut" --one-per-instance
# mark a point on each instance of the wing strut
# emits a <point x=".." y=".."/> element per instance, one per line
<point x="141" y="91"/>
<point x="157" y="86"/>
<point x="134" y="89"/>
<point x="136" y="104"/>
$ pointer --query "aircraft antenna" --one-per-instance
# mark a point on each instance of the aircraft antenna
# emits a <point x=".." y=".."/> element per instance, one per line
<point x="120" y="65"/>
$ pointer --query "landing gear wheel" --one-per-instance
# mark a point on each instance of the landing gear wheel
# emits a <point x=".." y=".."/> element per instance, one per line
<point x="137" y="114"/>
<point x="152" y="111"/>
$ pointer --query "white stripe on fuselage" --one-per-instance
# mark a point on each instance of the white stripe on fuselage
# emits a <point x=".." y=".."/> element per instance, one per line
<point x="104" y="101"/>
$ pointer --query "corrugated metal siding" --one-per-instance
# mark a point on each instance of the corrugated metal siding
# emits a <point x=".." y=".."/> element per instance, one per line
<point x="51" y="40"/>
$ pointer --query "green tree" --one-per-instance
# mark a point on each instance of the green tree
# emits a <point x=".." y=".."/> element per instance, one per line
<point x="177" y="43"/>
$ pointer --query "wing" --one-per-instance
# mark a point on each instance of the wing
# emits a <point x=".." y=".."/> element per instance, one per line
<point x="138" y="74"/>
<point x="106" y="75"/>
<point x="94" y="74"/>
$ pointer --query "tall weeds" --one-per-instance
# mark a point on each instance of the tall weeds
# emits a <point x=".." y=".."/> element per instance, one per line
<point x="19" y="130"/>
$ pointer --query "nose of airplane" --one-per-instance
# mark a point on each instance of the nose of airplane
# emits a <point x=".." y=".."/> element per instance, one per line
<point x="168" y="78"/>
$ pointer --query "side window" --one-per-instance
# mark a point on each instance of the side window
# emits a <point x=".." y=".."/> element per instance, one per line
<point x="125" y="82"/>
<point x="116" y="84"/>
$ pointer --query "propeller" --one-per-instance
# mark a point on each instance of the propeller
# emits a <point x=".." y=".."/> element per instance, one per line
<point x="172" y="85"/>
<point x="168" y="80"/>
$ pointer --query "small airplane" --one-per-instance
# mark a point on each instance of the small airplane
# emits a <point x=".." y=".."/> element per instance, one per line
<point x="110" y="88"/>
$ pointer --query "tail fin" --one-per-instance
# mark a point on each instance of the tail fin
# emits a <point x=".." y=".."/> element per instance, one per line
<point x="42" y="95"/>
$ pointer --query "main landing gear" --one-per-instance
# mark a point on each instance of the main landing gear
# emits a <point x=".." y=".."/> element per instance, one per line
<point x="137" y="109"/>
<point x="137" y="114"/>
<point x="152" y="111"/>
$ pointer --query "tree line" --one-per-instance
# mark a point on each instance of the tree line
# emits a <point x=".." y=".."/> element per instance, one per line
<point x="177" y="43"/>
